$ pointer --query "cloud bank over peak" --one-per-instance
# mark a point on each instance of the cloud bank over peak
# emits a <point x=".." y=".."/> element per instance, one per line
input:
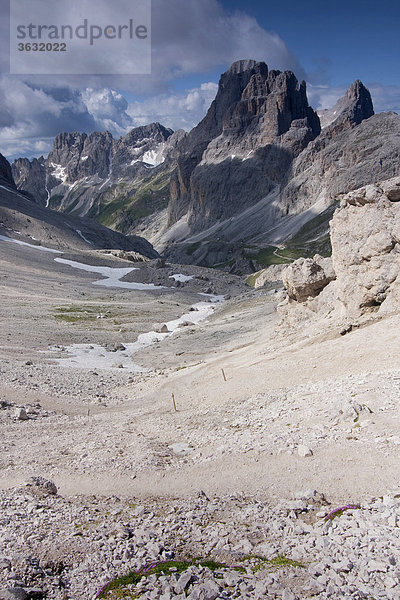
<point x="191" y="39"/>
<point x="195" y="37"/>
<point x="178" y="111"/>
<point x="31" y="117"/>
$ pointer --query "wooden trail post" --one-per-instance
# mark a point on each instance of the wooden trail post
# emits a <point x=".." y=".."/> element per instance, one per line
<point x="173" y="400"/>
<point x="223" y="374"/>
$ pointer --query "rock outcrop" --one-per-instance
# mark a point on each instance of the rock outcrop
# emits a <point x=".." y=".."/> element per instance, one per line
<point x="271" y="274"/>
<point x="6" y="177"/>
<point x="352" y="109"/>
<point x="306" y="277"/>
<point x="365" y="238"/>
<point x="30" y="176"/>
<point x="259" y="121"/>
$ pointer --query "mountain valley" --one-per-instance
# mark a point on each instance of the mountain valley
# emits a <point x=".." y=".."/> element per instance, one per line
<point x="199" y="355"/>
<point x="257" y="171"/>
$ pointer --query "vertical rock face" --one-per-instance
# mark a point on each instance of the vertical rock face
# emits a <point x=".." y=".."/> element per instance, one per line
<point x="78" y="155"/>
<point x="354" y="148"/>
<point x="230" y="89"/>
<point x="259" y="121"/>
<point x="31" y="176"/>
<point x="6" y="177"/>
<point x="365" y="238"/>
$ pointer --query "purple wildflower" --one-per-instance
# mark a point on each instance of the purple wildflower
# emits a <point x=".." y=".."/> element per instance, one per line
<point x="151" y="566"/>
<point x="102" y="589"/>
<point x="338" y="511"/>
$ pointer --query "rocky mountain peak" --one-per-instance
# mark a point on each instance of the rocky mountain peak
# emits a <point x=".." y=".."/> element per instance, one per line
<point x="275" y="99"/>
<point x="155" y="131"/>
<point x="79" y="163"/>
<point x="259" y="121"/>
<point x="240" y="66"/>
<point x="353" y="108"/>
<point x="359" y="101"/>
<point x="31" y="175"/>
<point x="66" y="143"/>
<point x="78" y="155"/>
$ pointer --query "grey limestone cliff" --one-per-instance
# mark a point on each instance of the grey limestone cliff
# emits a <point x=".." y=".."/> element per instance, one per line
<point x="259" y="121"/>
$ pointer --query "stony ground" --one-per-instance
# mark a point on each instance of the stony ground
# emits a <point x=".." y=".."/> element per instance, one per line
<point x="69" y="548"/>
<point x="262" y="415"/>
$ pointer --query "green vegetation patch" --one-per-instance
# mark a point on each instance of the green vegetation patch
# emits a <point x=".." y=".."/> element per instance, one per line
<point x="122" y="586"/>
<point x="283" y="561"/>
<point x="251" y="280"/>
<point x="313" y="238"/>
<point x="277" y="562"/>
<point x="124" y="204"/>
<point x="270" y="255"/>
<point x="74" y="314"/>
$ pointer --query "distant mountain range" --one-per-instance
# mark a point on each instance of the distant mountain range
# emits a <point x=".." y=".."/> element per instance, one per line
<point x="261" y="170"/>
<point x="20" y="217"/>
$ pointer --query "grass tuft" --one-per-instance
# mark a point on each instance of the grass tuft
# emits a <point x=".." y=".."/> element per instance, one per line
<point x="121" y="587"/>
<point x="158" y="569"/>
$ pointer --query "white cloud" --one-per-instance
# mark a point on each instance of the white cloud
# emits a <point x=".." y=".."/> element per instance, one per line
<point x="188" y="37"/>
<point x="38" y="115"/>
<point x="108" y="108"/>
<point x="324" y="96"/>
<point x="385" y="97"/>
<point x="35" y="115"/>
<point x="193" y="37"/>
<point x="178" y="111"/>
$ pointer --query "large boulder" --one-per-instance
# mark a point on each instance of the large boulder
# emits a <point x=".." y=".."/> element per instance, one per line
<point x="306" y="277"/>
<point x="365" y="239"/>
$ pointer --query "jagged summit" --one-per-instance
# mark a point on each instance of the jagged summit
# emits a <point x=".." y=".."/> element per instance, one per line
<point x="359" y="103"/>
<point x="353" y="108"/>
<point x="259" y="121"/>
<point x="94" y="159"/>
<point x="240" y="66"/>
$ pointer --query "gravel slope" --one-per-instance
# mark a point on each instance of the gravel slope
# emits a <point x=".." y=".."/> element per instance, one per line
<point x="261" y="416"/>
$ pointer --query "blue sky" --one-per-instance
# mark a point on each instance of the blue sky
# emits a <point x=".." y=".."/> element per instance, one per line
<point x="350" y="39"/>
<point x="194" y="41"/>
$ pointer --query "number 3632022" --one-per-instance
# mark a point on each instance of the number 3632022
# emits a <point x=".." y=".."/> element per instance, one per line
<point x="43" y="47"/>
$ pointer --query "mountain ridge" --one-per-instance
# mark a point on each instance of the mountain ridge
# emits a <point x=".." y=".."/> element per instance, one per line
<point x="20" y="217"/>
<point x="260" y="151"/>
